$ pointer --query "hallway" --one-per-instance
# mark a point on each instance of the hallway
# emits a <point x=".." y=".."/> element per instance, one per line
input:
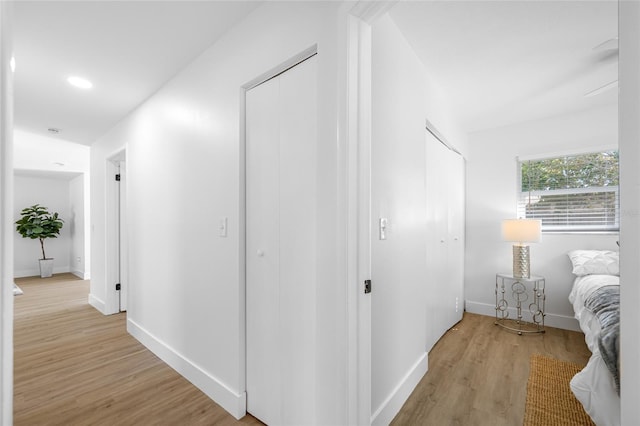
<point x="74" y="366"/>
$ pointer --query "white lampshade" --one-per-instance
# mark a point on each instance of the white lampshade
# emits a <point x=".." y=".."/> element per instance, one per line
<point x="522" y="230"/>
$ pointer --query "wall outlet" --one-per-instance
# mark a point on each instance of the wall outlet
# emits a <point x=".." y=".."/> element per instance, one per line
<point x="79" y="259"/>
<point x="456" y="305"/>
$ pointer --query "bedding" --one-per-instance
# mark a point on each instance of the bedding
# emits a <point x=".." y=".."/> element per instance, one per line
<point x="598" y="262"/>
<point x="595" y="386"/>
<point x="605" y="305"/>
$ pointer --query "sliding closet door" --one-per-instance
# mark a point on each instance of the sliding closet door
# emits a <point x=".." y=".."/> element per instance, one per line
<point x="437" y="240"/>
<point x="445" y="238"/>
<point x="455" y="255"/>
<point x="281" y="137"/>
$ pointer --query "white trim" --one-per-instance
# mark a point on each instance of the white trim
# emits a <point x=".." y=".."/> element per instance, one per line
<point x="358" y="230"/>
<point x="123" y="237"/>
<point x="233" y="402"/>
<point x="279" y="69"/>
<point x="358" y="196"/>
<point x="111" y="221"/>
<point x="393" y="403"/>
<point x="550" y="320"/>
<point x="431" y="128"/>
<point x="80" y="274"/>
<point x="6" y="213"/>
<point x="567" y="153"/>
<point x="98" y="304"/>
<point x="363" y="307"/>
<point x="35" y="272"/>
<point x="370" y="10"/>
<point x="242" y="243"/>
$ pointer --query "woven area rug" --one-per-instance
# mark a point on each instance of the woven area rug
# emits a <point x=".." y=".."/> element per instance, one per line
<point x="550" y="401"/>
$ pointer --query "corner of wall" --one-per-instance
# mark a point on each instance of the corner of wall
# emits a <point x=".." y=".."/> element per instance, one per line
<point x="80" y="274"/>
<point x="233" y="402"/>
<point x="97" y="303"/>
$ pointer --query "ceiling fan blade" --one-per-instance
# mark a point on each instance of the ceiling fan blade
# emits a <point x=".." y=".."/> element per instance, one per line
<point x="602" y="89"/>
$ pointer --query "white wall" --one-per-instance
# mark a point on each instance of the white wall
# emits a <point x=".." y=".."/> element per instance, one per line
<point x="402" y="98"/>
<point x="492" y="194"/>
<point x="184" y="169"/>
<point x="53" y="194"/>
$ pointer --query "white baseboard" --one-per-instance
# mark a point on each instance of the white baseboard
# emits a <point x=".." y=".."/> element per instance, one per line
<point x="552" y="320"/>
<point x="98" y="304"/>
<point x="392" y="405"/>
<point x="235" y="403"/>
<point x="26" y="273"/>
<point x="35" y="272"/>
<point x="80" y="274"/>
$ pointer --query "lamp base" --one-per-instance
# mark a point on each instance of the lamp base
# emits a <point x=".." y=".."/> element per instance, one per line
<point x="521" y="264"/>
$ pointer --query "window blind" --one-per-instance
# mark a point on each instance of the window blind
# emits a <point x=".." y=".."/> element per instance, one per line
<point x="571" y="193"/>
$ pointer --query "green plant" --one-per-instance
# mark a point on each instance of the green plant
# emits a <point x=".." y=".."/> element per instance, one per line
<point x="37" y="222"/>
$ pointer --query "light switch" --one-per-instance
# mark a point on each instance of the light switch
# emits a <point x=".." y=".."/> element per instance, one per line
<point x="383" y="228"/>
<point x="223" y="227"/>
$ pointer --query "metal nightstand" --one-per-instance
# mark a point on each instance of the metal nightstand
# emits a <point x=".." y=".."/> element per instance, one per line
<point x="522" y="289"/>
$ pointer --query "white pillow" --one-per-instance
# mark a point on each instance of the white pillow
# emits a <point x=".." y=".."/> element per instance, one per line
<point x="591" y="262"/>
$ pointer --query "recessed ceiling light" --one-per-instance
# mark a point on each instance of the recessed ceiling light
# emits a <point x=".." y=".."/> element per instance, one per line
<point x="53" y="130"/>
<point x="12" y="63"/>
<point x="79" y="82"/>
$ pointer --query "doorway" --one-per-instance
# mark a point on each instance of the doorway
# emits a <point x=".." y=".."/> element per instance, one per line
<point x="117" y="265"/>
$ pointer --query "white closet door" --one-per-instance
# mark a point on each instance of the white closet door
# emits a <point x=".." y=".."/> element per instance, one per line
<point x="437" y="239"/>
<point x="445" y="238"/>
<point x="262" y="254"/>
<point x="281" y="240"/>
<point x="455" y="255"/>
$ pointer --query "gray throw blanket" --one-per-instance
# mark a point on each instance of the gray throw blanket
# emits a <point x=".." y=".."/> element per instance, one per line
<point x="605" y="305"/>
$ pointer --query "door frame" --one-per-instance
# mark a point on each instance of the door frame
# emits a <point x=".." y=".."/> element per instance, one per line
<point x="360" y="20"/>
<point x="6" y="209"/>
<point x="355" y="196"/>
<point x="115" y="247"/>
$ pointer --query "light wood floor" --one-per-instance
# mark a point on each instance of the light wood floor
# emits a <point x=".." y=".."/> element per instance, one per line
<point x="75" y="366"/>
<point x="478" y="374"/>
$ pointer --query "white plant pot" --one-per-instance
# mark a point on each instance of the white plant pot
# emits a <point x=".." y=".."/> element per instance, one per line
<point x="46" y="268"/>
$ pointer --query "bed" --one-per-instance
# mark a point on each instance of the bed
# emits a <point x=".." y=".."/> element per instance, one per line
<point x="595" y="299"/>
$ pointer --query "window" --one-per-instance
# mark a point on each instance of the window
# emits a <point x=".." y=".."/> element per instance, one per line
<point x="571" y="193"/>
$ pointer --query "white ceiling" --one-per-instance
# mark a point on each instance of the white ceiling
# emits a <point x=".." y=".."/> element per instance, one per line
<point x="504" y="62"/>
<point x="128" y="49"/>
<point x="46" y="174"/>
<point x="499" y="62"/>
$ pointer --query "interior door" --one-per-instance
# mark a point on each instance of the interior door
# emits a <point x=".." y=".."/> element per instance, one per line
<point x="281" y="141"/>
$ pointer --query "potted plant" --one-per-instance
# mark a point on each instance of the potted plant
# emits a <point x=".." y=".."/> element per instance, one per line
<point x="37" y="222"/>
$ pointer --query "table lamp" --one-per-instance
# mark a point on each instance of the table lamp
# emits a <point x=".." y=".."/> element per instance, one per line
<point x="521" y="231"/>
